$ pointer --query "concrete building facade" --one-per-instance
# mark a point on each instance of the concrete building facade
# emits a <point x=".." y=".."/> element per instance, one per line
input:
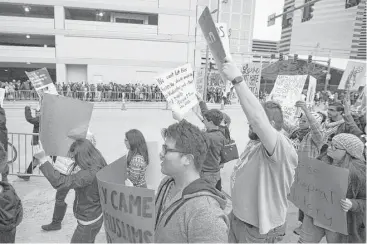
<point x="264" y="47"/>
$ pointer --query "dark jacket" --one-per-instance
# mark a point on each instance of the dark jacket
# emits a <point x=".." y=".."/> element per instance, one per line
<point x="3" y="129"/>
<point x="356" y="193"/>
<point x="36" y="124"/>
<point x="87" y="206"/>
<point x="11" y="209"/>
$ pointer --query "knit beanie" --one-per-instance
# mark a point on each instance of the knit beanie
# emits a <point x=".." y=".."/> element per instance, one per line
<point x="351" y="143"/>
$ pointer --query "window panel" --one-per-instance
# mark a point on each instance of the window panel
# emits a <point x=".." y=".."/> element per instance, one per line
<point x="246" y="22"/>
<point x="235" y="22"/>
<point x="236" y="6"/>
<point x="246" y="6"/>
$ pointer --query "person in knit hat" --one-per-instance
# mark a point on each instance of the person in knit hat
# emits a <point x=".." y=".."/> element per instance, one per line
<point x="345" y="151"/>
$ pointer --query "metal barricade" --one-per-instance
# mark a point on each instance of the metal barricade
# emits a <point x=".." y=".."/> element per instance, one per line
<point x="20" y="154"/>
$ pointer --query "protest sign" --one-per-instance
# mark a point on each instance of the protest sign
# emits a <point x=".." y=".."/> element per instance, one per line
<point x="62" y="120"/>
<point x="211" y="36"/>
<point x="311" y="90"/>
<point x="2" y="97"/>
<point x="64" y="165"/>
<point x="200" y="80"/>
<point x="178" y="88"/>
<point x="354" y="75"/>
<point x="287" y="91"/>
<point x="42" y="82"/>
<point x="128" y="212"/>
<point x="224" y="37"/>
<point x="153" y="174"/>
<point x="359" y="107"/>
<point x="317" y="190"/>
<point x="252" y="76"/>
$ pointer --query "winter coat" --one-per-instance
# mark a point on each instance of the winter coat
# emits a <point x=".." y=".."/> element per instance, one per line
<point x="196" y="217"/>
<point x="11" y="209"/>
<point x="87" y="205"/>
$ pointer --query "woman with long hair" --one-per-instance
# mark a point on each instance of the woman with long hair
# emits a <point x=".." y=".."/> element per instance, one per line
<point x="345" y="151"/>
<point x="87" y="207"/>
<point x="137" y="157"/>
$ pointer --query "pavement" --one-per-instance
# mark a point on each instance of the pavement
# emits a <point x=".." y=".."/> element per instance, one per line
<point x="109" y="126"/>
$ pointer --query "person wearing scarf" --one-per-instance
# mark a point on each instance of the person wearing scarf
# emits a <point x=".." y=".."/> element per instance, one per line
<point x="345" y="151"/>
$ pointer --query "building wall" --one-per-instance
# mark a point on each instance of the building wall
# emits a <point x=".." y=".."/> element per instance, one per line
<point x="114" y="51"/>
<point x="332" y="29"/>
<point x="264" y="47"/>
<point x="285" y="41"/>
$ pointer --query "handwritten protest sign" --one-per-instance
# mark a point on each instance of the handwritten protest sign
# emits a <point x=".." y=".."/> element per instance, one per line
<point x="128" y="212"/>
<point x="178" y="88"/>
<point x="317" y="191"/>
<point x="200" y="80"/>
<point x="287" y="91"/>
<point x="62" y="120"/>
<point x="2" y="97"/>
<point x="42" y="82"/>
<point x="311" y="90"/>
<point x="354" y="74"/>
<point x="224" y="37"/>
<point x="359" y="107"/>
<point x="252" y="76"/>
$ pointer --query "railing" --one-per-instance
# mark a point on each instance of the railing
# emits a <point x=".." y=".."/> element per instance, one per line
<point x="20" y="154"/>
<point x="97" y="96"/>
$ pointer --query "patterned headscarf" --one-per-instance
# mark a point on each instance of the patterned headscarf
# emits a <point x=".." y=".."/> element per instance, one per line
<point x="351" y="143"/>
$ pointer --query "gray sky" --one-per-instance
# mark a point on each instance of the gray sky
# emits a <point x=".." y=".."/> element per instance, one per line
<point x="263" y="9"/>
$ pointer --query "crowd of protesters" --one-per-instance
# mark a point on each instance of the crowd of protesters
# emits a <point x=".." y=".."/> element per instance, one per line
<point x="189" y="200"/>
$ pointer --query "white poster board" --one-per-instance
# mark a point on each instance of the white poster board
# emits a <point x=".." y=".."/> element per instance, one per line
<point x="311" y="91"/>
<point x="178" y="88"/>
<point x="287" y="91"/>
<point x="252" y="76"/>
<point x="200" y="80"/>
<point x="2" y="97"/>
<point x="355" y="74"/>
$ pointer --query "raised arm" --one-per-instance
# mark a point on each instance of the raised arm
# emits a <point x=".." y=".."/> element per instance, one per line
<point x="252" y="108"/>
<point x="29" y="117"/>
<point x="351" y="125"/>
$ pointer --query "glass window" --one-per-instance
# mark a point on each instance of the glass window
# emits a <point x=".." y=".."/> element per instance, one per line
<point x="225" y="7"/>
<point x="244" y="35"/>
<point x="213" y="4"/>
<point x="246" y="6"/>
<point x="244" y="42"/>
<point x="235" y="34"/>
<point x="246" y="22"/>
<point x="224" y="18"/>
<point x="235" y="41"/>
<point x="244" y="48"/>
<point x="236" y="21"/>
<point x="236" y="6"/>
<point x="26" y="10"/>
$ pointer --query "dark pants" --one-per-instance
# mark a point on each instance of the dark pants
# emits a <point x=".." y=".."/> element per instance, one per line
<point x="8" y="236"/>
<point x="61" y="195"/>
<point x="241" y="232"/>
<point x="87" y="233"/>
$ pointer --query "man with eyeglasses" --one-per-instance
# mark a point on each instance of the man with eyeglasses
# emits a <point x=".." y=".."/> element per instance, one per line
<point x="262" y="177"/>
<point x="188" y="208"/>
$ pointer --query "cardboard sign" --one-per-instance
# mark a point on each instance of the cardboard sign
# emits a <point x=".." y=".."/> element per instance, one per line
<point x="42" y="82"/>
<point x="2" y="97"/>
<point x="311" y="90"/>
<point x="178" y="88"/>
<point x="200" y="80"/>
<point x="62" y="120"/>
<point x="252" y="76"/>
<point x="128" y="212"/>
<point x="211" y="36"/>
<point x="224" y="37"/>
<point x="354" y="75"/>
<point x="317" y="190"/>
<point x="359" y="107"/>
<point x="287" y="91"/>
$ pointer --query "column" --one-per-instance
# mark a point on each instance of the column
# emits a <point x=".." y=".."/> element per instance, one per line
<point x="59" y="12"/>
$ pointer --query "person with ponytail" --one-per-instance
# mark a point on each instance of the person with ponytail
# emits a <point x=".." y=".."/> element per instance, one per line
<point x="87" y="207"/>
<point x="345" y="151"/>
<point x="137" y="157"/>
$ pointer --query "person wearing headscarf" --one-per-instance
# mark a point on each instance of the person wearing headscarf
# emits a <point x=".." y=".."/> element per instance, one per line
<point x="345" y="151"/>
<point x="60" y="204"/>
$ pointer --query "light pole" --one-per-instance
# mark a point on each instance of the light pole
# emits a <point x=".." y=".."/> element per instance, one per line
<point x="206" y="74"/>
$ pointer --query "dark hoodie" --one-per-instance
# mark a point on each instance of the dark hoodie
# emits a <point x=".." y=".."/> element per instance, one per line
<point x="36" y="124"/>
<point x="11" y="209"/>
<point x="195" y="216"/>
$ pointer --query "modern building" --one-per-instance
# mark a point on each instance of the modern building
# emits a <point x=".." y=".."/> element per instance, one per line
<point x="98" y="41"/>
<point x="264" y="47"/>
<point x="328" y="27"/>
<point x="239" y="17"/>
